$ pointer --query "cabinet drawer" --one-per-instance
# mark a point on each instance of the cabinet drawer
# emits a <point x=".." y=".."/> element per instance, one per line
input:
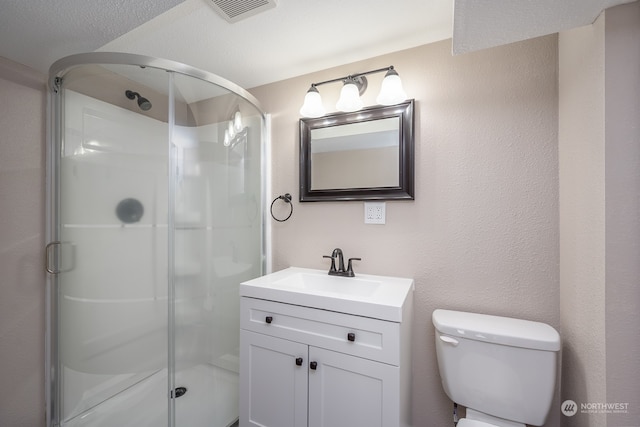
<point x="360" y="336"/>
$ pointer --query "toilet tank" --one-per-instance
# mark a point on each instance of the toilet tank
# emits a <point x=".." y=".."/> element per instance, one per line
<point x="500" y="366"/>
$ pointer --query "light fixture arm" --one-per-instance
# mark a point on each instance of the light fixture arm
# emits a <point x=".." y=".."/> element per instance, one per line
<point x="353" y="76"/>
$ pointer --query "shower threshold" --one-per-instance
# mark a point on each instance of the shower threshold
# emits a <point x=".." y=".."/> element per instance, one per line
<point x="211" y="400"/>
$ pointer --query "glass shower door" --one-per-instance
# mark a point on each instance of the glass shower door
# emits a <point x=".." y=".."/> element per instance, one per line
<point x="112" y="281"/>
<point x="156" y="219"/>
<point x="217" y="243"/>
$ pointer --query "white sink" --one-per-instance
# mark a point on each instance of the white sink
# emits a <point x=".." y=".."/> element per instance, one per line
<point x="323" y="283"/>
<point x="364" y="295"/>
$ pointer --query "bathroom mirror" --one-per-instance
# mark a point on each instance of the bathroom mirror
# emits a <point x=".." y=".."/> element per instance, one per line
<point x="364" y="155"/>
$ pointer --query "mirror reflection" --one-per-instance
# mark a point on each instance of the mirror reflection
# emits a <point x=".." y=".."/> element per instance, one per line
<point x="357" y="155"/>
<point x="364" y="155"/>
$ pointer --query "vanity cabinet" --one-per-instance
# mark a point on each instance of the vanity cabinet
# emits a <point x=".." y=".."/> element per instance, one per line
<point x="303" y="366"/>
<point x="273" y="389"/>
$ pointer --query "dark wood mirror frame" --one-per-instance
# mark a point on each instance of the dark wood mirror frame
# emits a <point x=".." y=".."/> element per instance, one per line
<point x="405" y="188"/>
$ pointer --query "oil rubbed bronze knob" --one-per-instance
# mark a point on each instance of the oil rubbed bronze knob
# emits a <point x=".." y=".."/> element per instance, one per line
<point x="351" y="336"/>
<point x="299" y="361"/>
<point x="313" y="365"/>
<point x="268" y="319"/>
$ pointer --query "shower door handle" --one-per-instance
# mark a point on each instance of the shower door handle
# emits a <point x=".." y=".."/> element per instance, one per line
<point x="59" y="257"/>
<point x="47" y="257"/>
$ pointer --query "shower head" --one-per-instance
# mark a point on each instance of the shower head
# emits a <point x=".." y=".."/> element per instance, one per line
<point x="143" y="102"/>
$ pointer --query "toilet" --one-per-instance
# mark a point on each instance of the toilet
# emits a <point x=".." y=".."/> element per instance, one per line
<point x="503" y="370"/>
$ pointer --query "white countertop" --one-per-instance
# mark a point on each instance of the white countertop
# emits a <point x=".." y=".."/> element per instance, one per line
<point x="379" y="297"/>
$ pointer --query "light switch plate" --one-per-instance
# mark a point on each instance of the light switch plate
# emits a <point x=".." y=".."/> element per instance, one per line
<point x="374" y="213"/>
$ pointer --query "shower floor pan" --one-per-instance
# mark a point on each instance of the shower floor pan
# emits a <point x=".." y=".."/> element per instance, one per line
<point x="211" y="399"/>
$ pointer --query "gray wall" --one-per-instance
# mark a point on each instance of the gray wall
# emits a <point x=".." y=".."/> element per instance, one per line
<point x="482" y="234"/>
<point x="622" y="165"/>
<point x="22" y="282"/>
<point x="599" y="141"/>
<point x="582" y="219"/>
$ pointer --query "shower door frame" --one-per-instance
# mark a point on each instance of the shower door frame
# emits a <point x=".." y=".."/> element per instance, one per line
<point x="55" y="127"/>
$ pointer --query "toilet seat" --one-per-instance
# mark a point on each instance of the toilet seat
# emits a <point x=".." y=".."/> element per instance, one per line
<point x="478" y="419"/>
<point x="466" y="422"/>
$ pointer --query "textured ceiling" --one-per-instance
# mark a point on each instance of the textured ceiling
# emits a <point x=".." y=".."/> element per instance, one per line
<point x="36" y="33"/>
<point x="483" y="24"/>
<point x="294" y="38"/>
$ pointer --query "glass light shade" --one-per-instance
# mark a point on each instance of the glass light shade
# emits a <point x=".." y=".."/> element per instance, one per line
<point x="312" y="106"/>
<point x="349" y="98"/>
<point x="227" y="138"/>
<point x="237" y="121"/>
<point x="391" y="92"/>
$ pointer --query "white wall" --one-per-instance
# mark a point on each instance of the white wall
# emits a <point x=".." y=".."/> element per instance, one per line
<point x="482" y="233"/>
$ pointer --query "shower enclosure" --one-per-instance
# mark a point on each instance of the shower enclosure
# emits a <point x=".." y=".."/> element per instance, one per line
<point x="156" y="197"/>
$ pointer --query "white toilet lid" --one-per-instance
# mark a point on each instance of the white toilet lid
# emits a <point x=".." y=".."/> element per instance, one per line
<point x="465" y="422"/>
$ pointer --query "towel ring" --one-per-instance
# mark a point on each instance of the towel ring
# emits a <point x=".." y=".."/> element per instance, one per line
<point x="287" y="199"/>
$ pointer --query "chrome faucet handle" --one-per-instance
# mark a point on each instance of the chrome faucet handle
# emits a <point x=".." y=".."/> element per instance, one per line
<point x="333" y="263"/>
<point x="350" y="272"/>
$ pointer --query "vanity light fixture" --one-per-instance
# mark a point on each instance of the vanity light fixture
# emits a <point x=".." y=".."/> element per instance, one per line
<point x="391" y="93"/>
<point x="235" y="130"/>
<point x="237" y="121"/>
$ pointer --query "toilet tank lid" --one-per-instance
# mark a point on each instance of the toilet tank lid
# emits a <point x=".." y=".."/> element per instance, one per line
<point x="496" y="329"/>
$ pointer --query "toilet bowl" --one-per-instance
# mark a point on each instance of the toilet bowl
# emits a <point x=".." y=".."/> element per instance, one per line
<point x="503" y="370"/>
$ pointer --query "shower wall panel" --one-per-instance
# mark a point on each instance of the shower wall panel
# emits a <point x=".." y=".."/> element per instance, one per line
<point x="113" y="296"/>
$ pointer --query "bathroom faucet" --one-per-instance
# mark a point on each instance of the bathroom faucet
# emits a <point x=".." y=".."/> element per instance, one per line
<point x="340" y="271"/>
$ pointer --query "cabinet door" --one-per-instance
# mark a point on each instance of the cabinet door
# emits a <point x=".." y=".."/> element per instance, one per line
<point x="273" y="381"/>
<point x="348" y="391"/>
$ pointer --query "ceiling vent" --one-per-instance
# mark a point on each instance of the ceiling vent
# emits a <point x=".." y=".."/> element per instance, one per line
<point x="236" y="10"/>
